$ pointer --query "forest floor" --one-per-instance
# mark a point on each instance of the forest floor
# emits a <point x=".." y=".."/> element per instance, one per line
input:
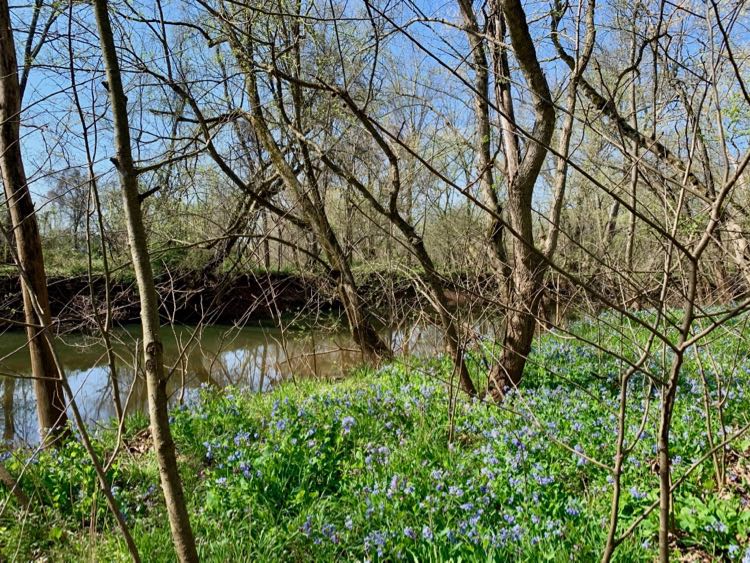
<point x="379" y="467"/>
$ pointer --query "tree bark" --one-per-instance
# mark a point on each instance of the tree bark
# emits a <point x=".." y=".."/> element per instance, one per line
<point x="9" y="428"/>
<point x="50" y="400"/>
<point x="528" y="264"/>
<point x="453" y="341"/>
<point x="484" y="137"/>
<point x="373" y="347"/>
<point x="156" y="380"/>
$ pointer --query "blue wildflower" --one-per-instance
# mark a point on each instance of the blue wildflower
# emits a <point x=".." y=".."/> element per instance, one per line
<point x="456" y="491"/>
<point x="347" y="423"/>
<point x="636" y="494"/>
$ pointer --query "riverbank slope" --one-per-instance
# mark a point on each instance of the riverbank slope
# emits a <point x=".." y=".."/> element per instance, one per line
<point x="377" y="468"/>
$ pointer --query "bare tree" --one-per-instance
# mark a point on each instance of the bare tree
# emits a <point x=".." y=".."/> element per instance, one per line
<point x="49" y="393"/>
<point x="70" y="195"/>
<point x="156" y="378"/>
<point x="528" y="264"/>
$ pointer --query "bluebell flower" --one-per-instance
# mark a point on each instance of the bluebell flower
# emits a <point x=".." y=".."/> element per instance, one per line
<point x="409" y="533"/>
<point x="241" y="437"/>
<point x="245" y="469"/>
<point x="636" y="494"/>
<point x="427" y="392"/>
<point x="376" y="538"/>
<point x="579" y="450"/>
<point x="427" y="533"/>
<point x="718" y="526"/>
<point x="545" y="479"/>
<point x="209" y="451"/>
<point x="329" y="530"/>
<point x="347" y="423"/>
<point x="455" y="491"/>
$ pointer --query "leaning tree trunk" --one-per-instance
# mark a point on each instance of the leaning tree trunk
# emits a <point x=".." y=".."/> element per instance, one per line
<point x="454" y="343"/>
<point x="373" y="347"/>
<point x="520" y="324"/>
<point x="50" y="401"/>
<point x="156" y="379"/>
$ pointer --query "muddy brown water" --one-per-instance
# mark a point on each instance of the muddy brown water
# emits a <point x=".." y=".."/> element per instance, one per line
<point x="252" y="357"/>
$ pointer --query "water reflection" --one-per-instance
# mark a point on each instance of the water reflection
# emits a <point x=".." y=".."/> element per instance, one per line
<point x="254" y="358"/>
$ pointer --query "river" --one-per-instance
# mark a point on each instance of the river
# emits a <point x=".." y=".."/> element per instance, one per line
<point x="250" y="357"/>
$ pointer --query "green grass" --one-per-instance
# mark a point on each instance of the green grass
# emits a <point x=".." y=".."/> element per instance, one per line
<point x="376" y="468"/>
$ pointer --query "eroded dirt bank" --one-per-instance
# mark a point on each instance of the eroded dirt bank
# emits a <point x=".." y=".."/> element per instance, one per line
<point x="184" y="299"/>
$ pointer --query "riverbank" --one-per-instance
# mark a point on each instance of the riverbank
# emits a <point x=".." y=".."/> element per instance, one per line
<point x="184" y="299"/>
<point x="192" y="298"/>
<point x="377" y="468"/>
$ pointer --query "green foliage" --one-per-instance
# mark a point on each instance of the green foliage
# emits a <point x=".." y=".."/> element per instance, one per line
<point x="180" y="259"/>
<point x="378" y="468"/>
<point x="67" y="483"/>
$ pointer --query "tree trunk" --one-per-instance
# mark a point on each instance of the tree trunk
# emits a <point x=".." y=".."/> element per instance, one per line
<point x="50" y="401"/>
<point x="484" y="138"/>
<point x="528" y="263"/>
<point x="156" y="379"/>
<point x="9" y="428"/>
<point x="358" y="316"/>
<point x="266" y="244"/>
<point x="453" y="341"/>
<point x="7" y="255"/>
<point x="528" y="289"/>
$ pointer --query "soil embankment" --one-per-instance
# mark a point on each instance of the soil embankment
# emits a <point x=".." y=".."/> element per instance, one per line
<point x="184" y="299"/>
<point x="191" y="298"/>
